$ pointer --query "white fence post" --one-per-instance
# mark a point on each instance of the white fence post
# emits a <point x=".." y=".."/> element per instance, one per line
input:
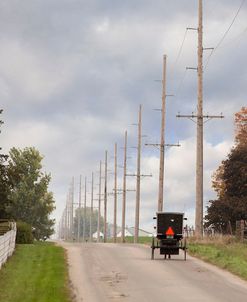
<point x="7" y="244"/>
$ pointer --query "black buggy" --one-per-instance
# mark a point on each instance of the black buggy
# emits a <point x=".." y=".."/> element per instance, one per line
<point x="169" y="237"/>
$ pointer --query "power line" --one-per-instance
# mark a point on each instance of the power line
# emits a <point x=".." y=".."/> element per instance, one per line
<point x="180" y="84"/>
<point x="226" y="32"/>
<point x="235" y="41"/>
<point x="179" y="54"/>
<point x="181" y="48"/>
<point x="233" y="21"/>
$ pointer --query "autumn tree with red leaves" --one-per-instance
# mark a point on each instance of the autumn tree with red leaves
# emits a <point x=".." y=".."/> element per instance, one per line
<point x="230" y="182"/>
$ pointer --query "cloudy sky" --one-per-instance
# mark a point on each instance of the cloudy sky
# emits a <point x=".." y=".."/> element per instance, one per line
<point x="73" y="73"/>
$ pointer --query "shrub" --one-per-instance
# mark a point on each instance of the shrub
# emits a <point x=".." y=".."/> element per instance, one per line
<point x="24" y="233"/>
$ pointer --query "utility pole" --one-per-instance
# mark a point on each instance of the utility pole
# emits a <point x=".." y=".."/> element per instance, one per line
<point x="65" y="223"/>
<point x="199" y="121"/>
<point x="72" y="210"/>
<point x="98" y="225"/>
<point x="84" y="210"/>
<point x="67" y="217"/>
<point x="162" y="144"/>
<point x="124" y="189"/>
<point x="138" y="177"/>
<point x="79" y="213"/>
<point x="115" y="195"/>
<point x="105" y="200"/>
<point x="91" y="209"/>
<point x="162" y="140"/>
<point x="199" y="147"/>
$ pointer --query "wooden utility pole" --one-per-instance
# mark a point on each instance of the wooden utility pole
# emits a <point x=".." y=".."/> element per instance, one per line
<point x="68" y="217"/>
<point x="124" y="189"/>
<point x="99" y="206"/>
<point x="66" y="221"/>
<point x="85" y="210"/>
<point x="115" y="195"/>
<point x="72" y="209"/>
<point x="105" y="200"/>
<point x="91" y="209"/>
<point x="199" y="121"/>
<point x="162" y="140"/>
<point x="79" y="213"/>
<point x="162" y="145"/>
<point x="138" y="177"/>
<point x="199" y="151"/>
<point x="69" y="214"/>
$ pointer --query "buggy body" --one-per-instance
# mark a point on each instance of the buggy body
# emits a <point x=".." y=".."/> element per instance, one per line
<point x="169" y="238"/>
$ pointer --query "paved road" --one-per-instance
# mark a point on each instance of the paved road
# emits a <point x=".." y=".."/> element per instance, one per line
<point x="115" y="272"/>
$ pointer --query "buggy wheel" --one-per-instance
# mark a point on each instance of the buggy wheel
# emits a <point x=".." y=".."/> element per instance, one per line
<point x="185" y="249"/>
<point x="153" y="248"/>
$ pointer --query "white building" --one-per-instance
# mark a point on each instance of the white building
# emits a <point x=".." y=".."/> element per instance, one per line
<point x="95" y="235"/>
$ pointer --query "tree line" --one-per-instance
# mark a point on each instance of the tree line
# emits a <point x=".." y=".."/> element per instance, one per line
<point x="24" y="193"/>
<point x="230" y="183"/>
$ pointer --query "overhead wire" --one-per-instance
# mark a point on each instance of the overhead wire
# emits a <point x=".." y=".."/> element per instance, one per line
<point x="236" y="39"/>
<point x="229" y="28"/>
<point x="225" y="34"/>
<point x="176" y="62"/>
<point x="181" y="48"/>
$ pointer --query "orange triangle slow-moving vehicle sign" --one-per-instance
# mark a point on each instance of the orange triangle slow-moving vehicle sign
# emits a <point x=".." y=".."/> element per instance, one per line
<point x="170" y="232"/>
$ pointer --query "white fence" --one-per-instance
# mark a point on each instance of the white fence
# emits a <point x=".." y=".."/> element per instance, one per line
<point x="7" y="244"/>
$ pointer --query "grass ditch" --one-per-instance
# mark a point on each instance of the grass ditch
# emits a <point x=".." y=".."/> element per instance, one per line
<point x="130" y="239"/>
<point x="36" y="272"/>
<point x="224" y="252"/>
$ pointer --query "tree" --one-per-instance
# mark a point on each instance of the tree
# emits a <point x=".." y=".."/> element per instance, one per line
<point x="230" y="182"/>
<point x="29" y="199"/>
<point x="4" y="188"/>
<point x="87" y="222"/>
<point x="221" y="212"/>
<point x="241" y="126"/>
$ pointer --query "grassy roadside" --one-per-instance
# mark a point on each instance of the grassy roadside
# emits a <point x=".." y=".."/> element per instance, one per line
<point x="225" y="253"/>
<point x="35" y="273"/>
<point x="128" y="239"/>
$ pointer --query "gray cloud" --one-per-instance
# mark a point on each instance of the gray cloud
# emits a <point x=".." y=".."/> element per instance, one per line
<point x="73" y="72"/>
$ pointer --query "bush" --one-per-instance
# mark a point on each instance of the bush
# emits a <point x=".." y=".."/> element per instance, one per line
<point x="24" y="233"/>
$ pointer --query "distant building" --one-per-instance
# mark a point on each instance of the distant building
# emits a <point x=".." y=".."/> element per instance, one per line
<point x="127" y="233"/>
<point x="142" y="233"/>
<point x="95" y="235"/>
<point x="130" y="232"/>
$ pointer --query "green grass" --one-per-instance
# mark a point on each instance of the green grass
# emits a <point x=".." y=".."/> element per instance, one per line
<point x="35" y="273"/>
<point x="142" y="240"/>
<point x="230" y="256"/>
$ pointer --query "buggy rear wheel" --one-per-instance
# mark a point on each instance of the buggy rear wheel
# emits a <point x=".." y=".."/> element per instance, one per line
<point x="185" y="249"/>
<point x="153" y="248"/>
